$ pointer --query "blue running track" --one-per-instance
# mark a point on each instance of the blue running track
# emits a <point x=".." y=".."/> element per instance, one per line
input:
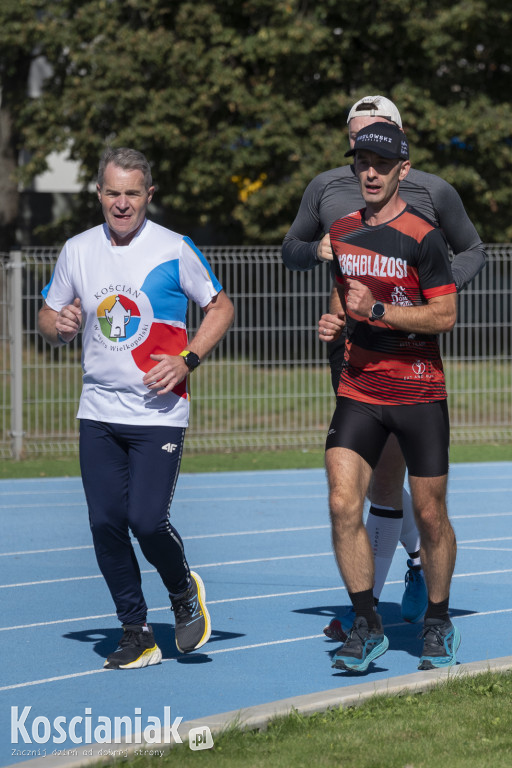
<point x="261" y="542"/>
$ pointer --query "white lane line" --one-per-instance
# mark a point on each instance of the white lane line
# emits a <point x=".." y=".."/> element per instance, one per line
<point x="52" y="679"/>
<point x="55" y="581"/>
<point x="480" y="541"/>
<point x="478" y="490"/>
<point x="233" y="649"/>
<point x="44" y="551"/>
<point x="227" y="534"/>
<point x="487" y="549"/>
<point x="152" y="570"/>
<point x="316" y="590"/>
<point x="294" y="529"/>
<point x="462" y="544"/>
<point x="480" y="516"/>
<point x="481" y="573"/>
<point x="53" y="505"/>
<point x="167" y="607"/>
<point x="252" y="498"/>
<point x="180" y="488"/>
<point x="185" y="538"/>
<point x="195" y="500"/>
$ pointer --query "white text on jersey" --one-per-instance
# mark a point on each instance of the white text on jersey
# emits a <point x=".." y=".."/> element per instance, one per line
<point x="359" y="264"/>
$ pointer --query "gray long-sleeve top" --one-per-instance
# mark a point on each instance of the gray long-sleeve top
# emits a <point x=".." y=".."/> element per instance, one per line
<point x="336" y="193"/>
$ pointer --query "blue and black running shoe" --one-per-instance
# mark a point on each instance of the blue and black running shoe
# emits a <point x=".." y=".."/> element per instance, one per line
<point x="362" y="646"/>
<point x="440" y="643"/>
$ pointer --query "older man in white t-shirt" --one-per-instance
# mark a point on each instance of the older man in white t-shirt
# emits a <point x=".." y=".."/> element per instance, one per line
<point x="128" y="282"/>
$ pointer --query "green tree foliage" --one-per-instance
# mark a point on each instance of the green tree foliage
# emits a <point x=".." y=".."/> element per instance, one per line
<point x="239" y="103"/>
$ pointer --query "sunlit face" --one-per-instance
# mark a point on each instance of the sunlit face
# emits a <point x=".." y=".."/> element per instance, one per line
<point x="358" y="123"/>
<point x="378" y="176"/>
<point x="124" y="200"/>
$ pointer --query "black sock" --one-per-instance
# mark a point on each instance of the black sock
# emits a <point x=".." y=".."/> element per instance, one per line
<point x="438" y="610"/>
<point x="364" y="606"/>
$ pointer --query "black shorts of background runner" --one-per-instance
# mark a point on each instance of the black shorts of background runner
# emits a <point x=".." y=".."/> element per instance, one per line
<point x="422" y="430"/>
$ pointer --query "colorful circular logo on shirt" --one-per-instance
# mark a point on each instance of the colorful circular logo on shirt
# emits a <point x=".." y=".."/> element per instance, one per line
<point x="119" y="318"/>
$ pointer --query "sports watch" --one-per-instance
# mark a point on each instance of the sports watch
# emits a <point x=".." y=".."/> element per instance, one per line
<point x="191" y="359"/>
<point x="378" y="311"/>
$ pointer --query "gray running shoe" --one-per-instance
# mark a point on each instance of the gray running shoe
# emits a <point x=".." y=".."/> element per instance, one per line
<point x="192" y="626"/>
<point x="440" y="643"/>
<point x="362" y="646"/>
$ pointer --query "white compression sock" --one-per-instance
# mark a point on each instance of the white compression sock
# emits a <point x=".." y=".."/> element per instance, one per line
<point x="384" y="535"/>
<point x="409" y="535"/>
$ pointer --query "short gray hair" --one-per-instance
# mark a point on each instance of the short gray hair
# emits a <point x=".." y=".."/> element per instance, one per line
<point x="129" y="160"/>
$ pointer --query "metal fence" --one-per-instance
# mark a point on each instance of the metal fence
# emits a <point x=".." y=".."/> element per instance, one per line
<point x="267" y="385"/>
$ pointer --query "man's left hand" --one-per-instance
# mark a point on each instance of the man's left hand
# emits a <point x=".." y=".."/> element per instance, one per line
<point x="168" y="373"/>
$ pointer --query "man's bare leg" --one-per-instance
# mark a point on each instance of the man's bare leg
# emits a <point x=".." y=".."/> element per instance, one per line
<point x="349" y="475"/>
<point x="438" y="552"/>
<point x="384" y="525"/>
<point x="438" y="544"/>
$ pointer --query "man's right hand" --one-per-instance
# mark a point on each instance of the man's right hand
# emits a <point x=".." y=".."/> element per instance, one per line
<point x="69" y="320"/>
<point x="330" y="326"/>
<point x="324" y="250"/>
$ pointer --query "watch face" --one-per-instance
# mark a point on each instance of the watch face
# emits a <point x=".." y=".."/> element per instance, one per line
<point x="378" y="310"/>
<point x="192" y="361"/>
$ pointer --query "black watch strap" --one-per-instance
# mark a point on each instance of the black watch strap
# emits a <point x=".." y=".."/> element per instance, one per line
<point x="191" y="359"/>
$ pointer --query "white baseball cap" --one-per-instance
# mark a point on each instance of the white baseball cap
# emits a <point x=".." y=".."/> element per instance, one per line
<point x="375" y="106"/>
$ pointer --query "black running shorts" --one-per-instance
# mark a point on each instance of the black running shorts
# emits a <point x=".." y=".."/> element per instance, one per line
<point x="423" y="431"/>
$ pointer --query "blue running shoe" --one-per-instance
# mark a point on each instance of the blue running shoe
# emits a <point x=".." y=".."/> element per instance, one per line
<point x="362" y="646"/>
<point x="440" y="643"/>
<point x="415" y="597"/>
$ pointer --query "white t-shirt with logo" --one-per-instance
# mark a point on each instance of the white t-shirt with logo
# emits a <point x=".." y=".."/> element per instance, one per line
<point x="134" y="301"/>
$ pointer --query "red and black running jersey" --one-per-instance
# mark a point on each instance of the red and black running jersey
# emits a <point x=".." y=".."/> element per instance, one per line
<point x="404" y="261"/>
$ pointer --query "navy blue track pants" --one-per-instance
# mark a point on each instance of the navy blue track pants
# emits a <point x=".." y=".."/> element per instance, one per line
<point x="129" y="474"/>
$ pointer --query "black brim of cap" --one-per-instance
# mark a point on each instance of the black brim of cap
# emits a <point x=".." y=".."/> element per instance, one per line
<point x="380" y="152"/>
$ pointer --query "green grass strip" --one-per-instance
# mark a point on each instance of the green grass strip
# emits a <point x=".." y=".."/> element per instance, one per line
<point x="465" y="722"/>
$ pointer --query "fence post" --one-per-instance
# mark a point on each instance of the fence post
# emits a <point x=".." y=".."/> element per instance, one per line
<point x="16" y="345"/>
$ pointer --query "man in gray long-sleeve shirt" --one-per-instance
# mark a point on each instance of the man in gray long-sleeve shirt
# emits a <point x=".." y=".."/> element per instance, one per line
<point x="330" y="196"/>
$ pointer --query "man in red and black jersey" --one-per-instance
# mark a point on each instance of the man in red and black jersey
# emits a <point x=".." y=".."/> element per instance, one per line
<point x="395" y="292"/>
<point x="329" y="196"/>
